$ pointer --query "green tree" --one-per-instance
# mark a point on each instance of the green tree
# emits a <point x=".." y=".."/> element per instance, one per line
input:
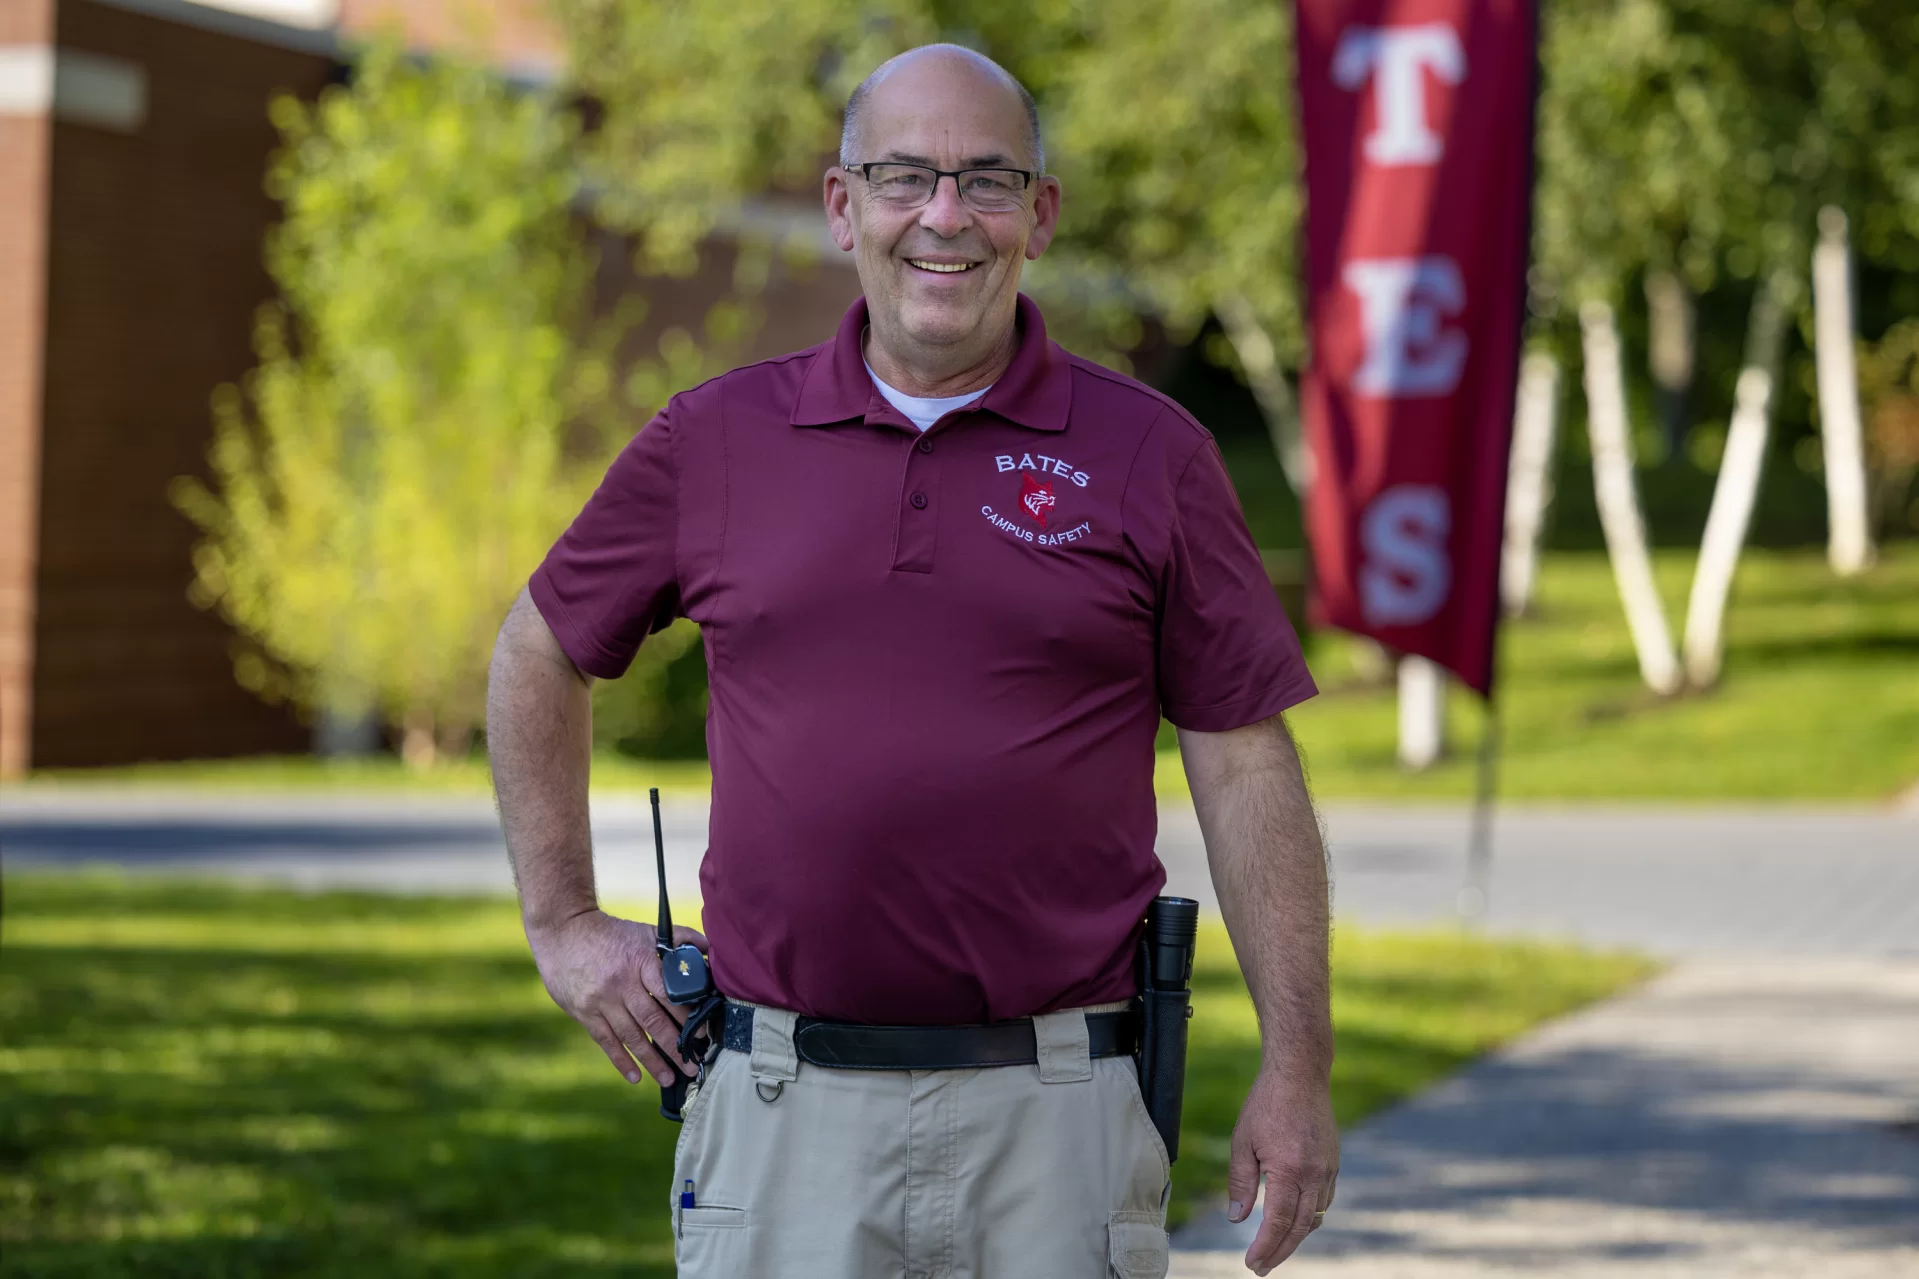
<point x="1703" y="136"/>
<point x="1636" y="144"/>
<point x="425" y="416"/>
<point x="1828" y="110"/>
<point x="1692" y="140"/>
<point x="706" y="105"/>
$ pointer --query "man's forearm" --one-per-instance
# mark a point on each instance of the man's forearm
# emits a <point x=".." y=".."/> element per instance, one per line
<point x="539" y="727"/>
<point x="1269" y="869"/>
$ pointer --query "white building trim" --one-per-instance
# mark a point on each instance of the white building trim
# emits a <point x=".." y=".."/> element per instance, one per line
<point x="73" y="86"/>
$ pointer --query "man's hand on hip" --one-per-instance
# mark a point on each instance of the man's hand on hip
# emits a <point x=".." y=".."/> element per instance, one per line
<point x="1286" y="1132"/>
<point x="605" y="972"/>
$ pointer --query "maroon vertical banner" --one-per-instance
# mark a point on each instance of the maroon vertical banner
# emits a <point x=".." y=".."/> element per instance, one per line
<point x="1417" y="124"/>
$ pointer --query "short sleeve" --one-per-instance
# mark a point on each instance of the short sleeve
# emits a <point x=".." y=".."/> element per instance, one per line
<point x="1228" y="657"/>
<point x="611" y="580"/>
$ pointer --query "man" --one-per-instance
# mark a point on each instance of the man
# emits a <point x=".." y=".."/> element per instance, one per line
<point x="949" y="577"/>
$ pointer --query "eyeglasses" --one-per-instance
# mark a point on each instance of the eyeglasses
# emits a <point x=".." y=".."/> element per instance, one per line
<point x="908" y="186"/>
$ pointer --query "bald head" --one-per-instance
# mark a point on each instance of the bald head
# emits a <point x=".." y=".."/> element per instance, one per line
<point x="939" y="261"/>
<point x="938" y="62"/>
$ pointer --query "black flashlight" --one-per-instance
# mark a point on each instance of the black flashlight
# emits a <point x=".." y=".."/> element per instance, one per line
<point x="1165" y="992"/>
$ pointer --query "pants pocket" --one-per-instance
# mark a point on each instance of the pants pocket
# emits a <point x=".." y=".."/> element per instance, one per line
<point x="1142" y="1120"/>
<point x="711" y="1242"/>
<point x="1136" y="1245"/>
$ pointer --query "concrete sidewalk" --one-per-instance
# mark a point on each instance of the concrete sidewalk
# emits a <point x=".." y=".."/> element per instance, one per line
<point x="1671" y="881"/>
<point x="1732" y="1118"/>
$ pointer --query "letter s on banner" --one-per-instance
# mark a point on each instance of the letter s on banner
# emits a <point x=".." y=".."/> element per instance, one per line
<point x="1406" y="573"/>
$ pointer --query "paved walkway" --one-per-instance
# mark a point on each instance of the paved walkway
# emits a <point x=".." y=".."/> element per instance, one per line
<point x="1672" y="882"/>
<point x="1732" y="1118"/>
<point x="1668" y="881"/>
<point x="383" y="843"/>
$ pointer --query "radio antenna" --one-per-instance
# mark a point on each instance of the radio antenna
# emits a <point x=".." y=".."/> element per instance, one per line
<point x="664" y="941"/>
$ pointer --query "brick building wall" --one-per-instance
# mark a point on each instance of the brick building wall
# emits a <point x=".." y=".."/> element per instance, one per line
<point x="154" y="273"/>
<point x="26" y="30"/>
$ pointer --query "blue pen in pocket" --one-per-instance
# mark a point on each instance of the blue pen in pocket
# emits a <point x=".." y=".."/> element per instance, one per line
<point x="686" y="1195"/>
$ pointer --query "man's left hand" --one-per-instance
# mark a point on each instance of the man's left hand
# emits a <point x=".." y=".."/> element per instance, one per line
<point x="1285" y="1132"/>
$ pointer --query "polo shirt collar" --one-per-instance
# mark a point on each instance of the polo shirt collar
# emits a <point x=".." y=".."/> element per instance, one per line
<point x="1035" y="390"/>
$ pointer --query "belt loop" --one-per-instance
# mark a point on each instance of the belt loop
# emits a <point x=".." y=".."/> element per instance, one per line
<point x="1065" y="1056"/>
<point x="773" y="1055"/>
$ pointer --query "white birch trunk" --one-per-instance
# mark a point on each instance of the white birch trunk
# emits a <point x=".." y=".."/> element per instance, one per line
<point x="1618" y="499"/>
<point x="1529" y="483"/>
<point x="1260" y="361"/>
<point x="1849" y="537"/>
<point x="1731" y="515"/>
<point x="346" y="733"/>
<point x="1671" y="321"/>
<point x="1422" y="712"/>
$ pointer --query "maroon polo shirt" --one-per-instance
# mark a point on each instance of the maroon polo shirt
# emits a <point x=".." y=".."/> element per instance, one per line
<point x="937" y="664"/>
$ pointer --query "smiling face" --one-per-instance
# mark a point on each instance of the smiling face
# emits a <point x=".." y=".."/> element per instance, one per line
<point x="942" y="280"/>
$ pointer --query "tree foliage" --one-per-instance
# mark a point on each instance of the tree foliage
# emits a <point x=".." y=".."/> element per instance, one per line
<point x="1889" y="381"/>
<point x="421" y="423"/>
<point x="1704" y="135"/>
<point x="707" y="104"/>
<point x="1633" y="148"/>
<point x="1174" y="125"/>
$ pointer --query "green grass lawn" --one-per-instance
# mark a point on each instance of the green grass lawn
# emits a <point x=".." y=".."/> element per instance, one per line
<point x="612" y="773"/>
<point x="203" y="1080"/>
<point x="1819" y="700"/>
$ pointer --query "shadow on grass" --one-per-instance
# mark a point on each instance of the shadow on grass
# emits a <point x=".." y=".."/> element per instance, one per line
<point x="1784" y="650"/>
<point x="162" y="838"/>
<point x="97" y="894"/>
<point x="211" y="1081"/>
<point x="212" y="1112"/>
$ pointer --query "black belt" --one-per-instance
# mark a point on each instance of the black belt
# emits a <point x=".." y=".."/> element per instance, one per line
<point x="855" y="1047"/>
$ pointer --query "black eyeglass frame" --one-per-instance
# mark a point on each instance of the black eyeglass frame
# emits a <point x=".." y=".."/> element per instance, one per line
<point x="1031" y="176"/>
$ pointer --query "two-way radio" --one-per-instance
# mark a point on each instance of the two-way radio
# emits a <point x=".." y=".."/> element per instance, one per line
<point x="689" y="983"/>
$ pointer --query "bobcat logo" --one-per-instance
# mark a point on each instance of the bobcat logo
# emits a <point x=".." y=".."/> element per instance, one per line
<point x="1036" y="497"/>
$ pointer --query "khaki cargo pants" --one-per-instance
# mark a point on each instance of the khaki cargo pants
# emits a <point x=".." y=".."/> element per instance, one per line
<point x="1051" y="1171"/>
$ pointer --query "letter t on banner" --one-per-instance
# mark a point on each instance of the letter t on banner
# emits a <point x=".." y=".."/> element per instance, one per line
<point x="1417" y="120"/>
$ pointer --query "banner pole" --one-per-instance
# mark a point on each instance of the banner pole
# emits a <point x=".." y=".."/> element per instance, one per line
<point x="1475" y="895"/>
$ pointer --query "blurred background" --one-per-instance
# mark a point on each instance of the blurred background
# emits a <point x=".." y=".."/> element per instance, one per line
<point x="319" y="319"/>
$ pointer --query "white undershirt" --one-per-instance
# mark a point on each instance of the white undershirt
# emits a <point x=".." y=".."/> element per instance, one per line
<point x="920" y="410"/>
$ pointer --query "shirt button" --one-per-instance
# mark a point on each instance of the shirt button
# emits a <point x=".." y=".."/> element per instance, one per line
<point x="926" y="445"/>
<point x="918" y="500"/>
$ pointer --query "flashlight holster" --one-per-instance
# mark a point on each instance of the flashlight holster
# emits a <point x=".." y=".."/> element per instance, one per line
<point x="1165" y="993"/>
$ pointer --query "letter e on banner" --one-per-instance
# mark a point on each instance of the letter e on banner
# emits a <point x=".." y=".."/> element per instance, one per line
<point x="1402" y="302"/>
